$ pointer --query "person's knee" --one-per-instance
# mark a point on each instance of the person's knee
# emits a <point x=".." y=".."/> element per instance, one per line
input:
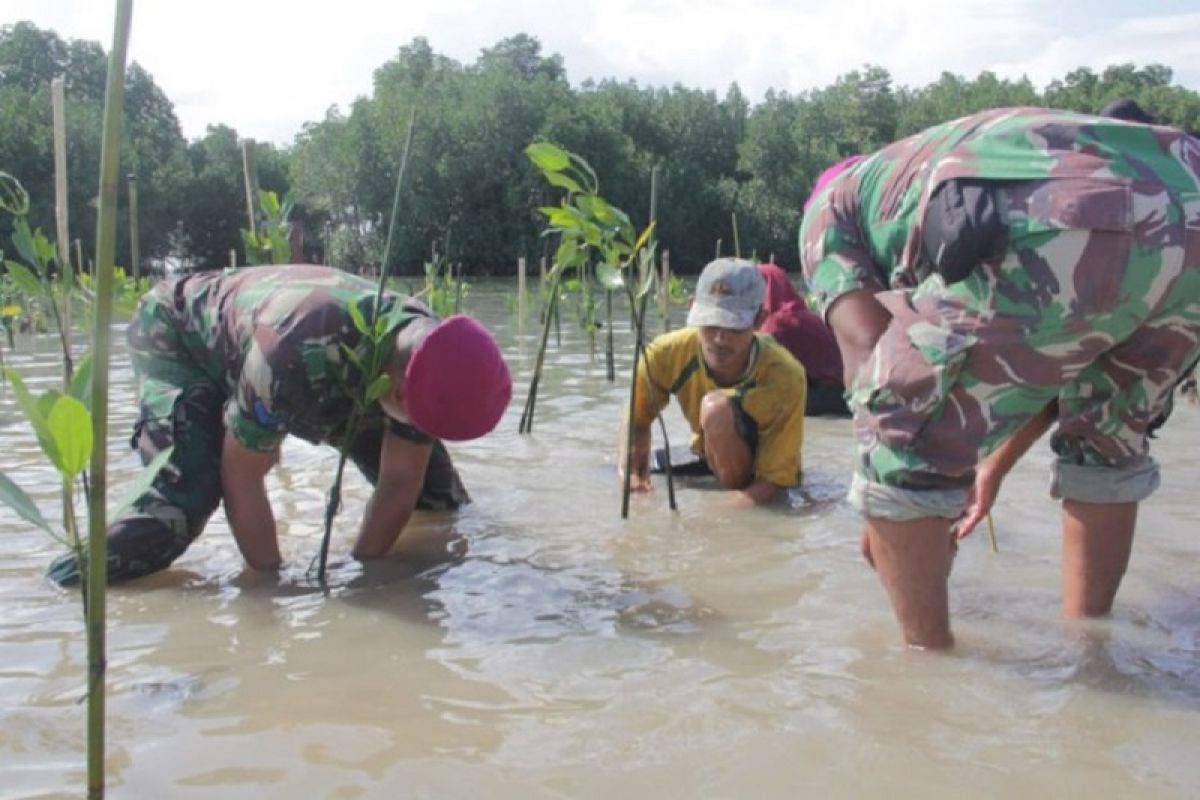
<point x="728" y="454"/>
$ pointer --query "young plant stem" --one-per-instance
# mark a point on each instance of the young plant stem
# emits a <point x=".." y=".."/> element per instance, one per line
<point x="638" y="318"/>
<point x="106" y="237"/>
<point x="334" y="500"/>
<point x="526" y="424"/>
<point x="610" y="368"/>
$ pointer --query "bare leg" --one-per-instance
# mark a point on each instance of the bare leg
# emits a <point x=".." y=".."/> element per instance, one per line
<point x="727" y="453"/>
<point x="1097" y="540"/>
<point x="913" y="560"/>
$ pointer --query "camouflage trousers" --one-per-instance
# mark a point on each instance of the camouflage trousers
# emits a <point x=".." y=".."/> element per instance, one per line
<point x="1099" y="316"/>
<point x="181" y="406"/>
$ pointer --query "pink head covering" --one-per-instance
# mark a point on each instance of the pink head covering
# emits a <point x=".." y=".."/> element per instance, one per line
<point x="829" y="174"/>
<point x="456" y="385"/>
<point x="799" y="330"/>
<point x="781" y="295"/>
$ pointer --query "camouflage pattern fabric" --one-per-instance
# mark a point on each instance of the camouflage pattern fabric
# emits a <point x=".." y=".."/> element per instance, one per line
<point x="259" y="351"/>
<point x="1094" y="303"/>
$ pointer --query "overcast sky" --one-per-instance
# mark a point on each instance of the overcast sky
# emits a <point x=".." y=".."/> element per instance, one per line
<point x="265" y="67"/>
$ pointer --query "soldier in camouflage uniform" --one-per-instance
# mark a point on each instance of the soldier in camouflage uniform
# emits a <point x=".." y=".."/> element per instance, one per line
<point x="232" y="362"/>
<point x="984" y="278"/>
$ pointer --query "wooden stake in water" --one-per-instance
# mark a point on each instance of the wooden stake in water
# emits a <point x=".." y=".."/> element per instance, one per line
<point x="66" y="277"/>
<point x="666" y="290"/>
<point x="135" y="250"/>
<point x="250" y="172"/>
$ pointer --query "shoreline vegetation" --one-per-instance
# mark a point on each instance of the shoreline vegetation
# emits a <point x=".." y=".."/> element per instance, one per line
<point x="718" y="157"/>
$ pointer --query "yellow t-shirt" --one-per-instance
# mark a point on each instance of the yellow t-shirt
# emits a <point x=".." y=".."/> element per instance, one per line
<point x="773" y="394"/>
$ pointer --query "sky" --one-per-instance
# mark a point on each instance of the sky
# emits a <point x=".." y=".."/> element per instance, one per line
<point x="265" y="67"/>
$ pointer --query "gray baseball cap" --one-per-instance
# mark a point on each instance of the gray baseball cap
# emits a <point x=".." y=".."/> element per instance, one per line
<point x="728" y="295"/>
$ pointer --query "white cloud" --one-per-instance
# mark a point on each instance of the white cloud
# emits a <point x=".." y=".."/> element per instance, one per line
<point x="267" y="66"/>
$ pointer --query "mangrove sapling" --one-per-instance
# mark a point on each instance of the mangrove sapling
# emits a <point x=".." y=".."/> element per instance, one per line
<point x="267" y="242"/>
<point x="589" y="227"/>
<point x="376" y="331"/>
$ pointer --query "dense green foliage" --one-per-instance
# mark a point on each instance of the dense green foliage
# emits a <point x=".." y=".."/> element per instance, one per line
<point x="471" y="184"/>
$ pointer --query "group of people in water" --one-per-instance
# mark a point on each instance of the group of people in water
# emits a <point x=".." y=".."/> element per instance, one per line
<point x="965" y="290"/>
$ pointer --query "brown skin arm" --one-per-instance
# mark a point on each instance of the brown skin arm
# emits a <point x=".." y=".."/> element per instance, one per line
<point x="640" y="482"/>
<point x="857" y="320"/>
<point x="402" y="466"/>
<point x="247" y="507"/>
<point x="993" y="469"/>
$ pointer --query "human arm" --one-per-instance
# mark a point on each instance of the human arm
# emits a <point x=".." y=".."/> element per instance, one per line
<point x="992" y="470"/>
<point x="247" y="507"/>
<point x="640" y="480"/>
<point x="857" y="320"/>
<point x="402" y="466"/>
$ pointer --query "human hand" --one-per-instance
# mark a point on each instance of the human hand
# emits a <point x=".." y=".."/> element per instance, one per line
<point x="639" y="482"/>
<point x="980" y="499"/>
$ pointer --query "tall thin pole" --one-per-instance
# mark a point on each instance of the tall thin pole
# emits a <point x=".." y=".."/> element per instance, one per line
<point x="135" y="250"/>
<point x="58" y="105"/>
<point x="250" y="171"/>
<point x="106" y="239"/>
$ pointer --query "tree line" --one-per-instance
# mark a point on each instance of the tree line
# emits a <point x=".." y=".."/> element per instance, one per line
<point x="729" y="173"/>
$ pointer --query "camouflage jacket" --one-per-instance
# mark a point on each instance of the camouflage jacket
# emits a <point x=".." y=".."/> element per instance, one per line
<point x="275" y="337"/>
<point x="864" y="229"/>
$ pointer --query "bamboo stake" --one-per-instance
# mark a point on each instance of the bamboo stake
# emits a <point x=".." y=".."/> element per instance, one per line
<point x="135" y="250"/>
<point x="250" y="173"/>
<point x="666" y="290"/>
<point x="61" y="204"/>
<point x="106" y="236"/>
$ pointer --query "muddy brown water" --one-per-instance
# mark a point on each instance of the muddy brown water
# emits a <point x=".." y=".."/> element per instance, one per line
<point x="708" y="652"/>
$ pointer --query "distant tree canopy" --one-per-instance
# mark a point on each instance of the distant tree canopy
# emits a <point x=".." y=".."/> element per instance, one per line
<point x="470" y="193"/>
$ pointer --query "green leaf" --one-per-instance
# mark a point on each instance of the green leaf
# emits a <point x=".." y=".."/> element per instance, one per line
<point x="22" y="239"/>
<point x="32" y="413"/>
<point x="645" y="237"/>
<point x="566" y="218"/>
<point x="142" y="484"/>
<point x="568" y="253"/>
<point x="353" y="356"/>
<point x="360" y="322"/>
<point x="81" y="382"/>
<point x="593" y="183"/>
<point x="25" y="278"/>
<point x="609" y="276"/>
<point x="21" y="503"/>
<point x="45" y="249"/>
<point x="548" y="157"/>
<point x="71" y="426"/>
<point x="379" y="387"/>
<point x="269" y="203"/>
<point x="592" y="234"/>
<point x="563" y="181"/>
<point x="13" y="197"/>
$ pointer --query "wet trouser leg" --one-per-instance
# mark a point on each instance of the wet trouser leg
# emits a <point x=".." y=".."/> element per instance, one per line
<point x="164" y="521"/>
